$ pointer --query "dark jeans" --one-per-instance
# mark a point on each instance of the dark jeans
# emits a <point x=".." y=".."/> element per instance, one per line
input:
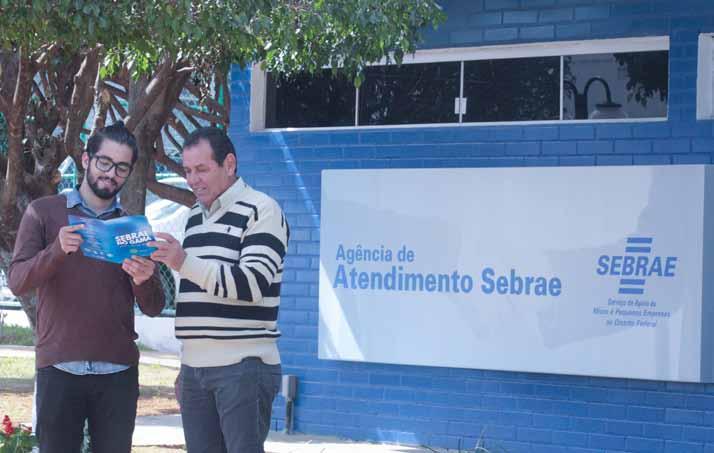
<point x="227" y="409"/>
<point x="65" y="401"/>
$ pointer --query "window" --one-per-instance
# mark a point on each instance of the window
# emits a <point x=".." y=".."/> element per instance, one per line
<point x="518" y="89"/>
<point x="614" y="79"/>
<point x="409" y="94"/>
<point x="305" y="101"/>
<point x="705" y="81"/>
<point x="615" y="85"/>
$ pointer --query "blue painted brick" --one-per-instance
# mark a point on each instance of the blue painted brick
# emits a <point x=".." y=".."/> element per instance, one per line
<point x="535" y="405"/>
<point x="450" y="384"/>
<point x="580" y="30"/>
<point x="685" y="159"/>
<point x="495" y="402"/>
<point x="675" y="146"/>
<point x="471" y="37"/>
<point x="560" y="148"/>
<point x="520" y="17"/>
<point x="486" y="19"/>
<point x="556" y="15"/>
<point x="553" y="391"/>
<point x="569" y="439"/>
<point x="609" y="411"/>
<point x="638" y="444"/>
<point x="372" y="137"/>
<point x="647" y="414"/>
<point x="353" y="377"/>
<point x="624" y="428"/>
<point x="396" y="394"/>
<point x="533" y="435"/>
<point x="513" y="418"/>
<point x="501" y="4"/>
<point x="540" y="33"/>
<point x="630" y="8"/>
<point x="679" y="447"/>
<point x="592" y="12"/>
<point x="541" y="161"/>
<point x="633" y="146"/>
<point x="627" y="396"/>
<point x="551" y="421"/>
<point x="516" y="388"/>
<point x="663" y="431"/>
<point x="667" y="400"/>
<point x="613" y="131"/>
<point x="684" y="416"/>
<point x="606" y="441"/>
<point x="595" y="147"/>
<point x="700" y="402"/>
<point x="651" y="130"/>
<point x="613" y="160"/>
<point x="500" y="34"/>
<point x="703" y="145"/>
<point x="523" y="149"/>
<point x="572" y="132"/>
<point x="696" y="434"/>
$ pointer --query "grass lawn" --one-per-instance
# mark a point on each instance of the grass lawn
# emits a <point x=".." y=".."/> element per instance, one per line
<point x="16" y="335"/>
<point x="156" y="384"/>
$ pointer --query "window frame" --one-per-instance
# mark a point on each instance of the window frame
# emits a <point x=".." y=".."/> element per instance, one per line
<point x="705" y="77"/>
<point x="462" y="54"/>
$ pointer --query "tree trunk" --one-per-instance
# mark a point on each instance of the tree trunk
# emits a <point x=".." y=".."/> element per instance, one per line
<point x="133" y="195"/>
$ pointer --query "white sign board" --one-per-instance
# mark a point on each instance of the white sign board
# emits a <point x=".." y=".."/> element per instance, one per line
<point x="597" y="271"/>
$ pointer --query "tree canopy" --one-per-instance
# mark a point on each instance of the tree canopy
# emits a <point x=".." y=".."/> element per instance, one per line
<point x="64" y="61"/>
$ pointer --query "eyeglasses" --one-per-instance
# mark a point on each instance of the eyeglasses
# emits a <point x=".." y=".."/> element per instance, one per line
<point x="105" y="164"/>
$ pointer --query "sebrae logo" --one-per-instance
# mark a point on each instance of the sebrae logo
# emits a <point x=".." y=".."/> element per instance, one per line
<point x="636" y="265"/>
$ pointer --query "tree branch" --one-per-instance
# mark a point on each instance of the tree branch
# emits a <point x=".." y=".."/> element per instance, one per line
<point x="213" y="118"/>
<point x="226" y="98"/>
<point x="153" y="90"/>
<point x="171" y="138"/>
<point x="161" y="157"/>
<point x="8" y="80"/>
<point x="210" y="102"/>
<point x="118" y="107"/>
<point x="81" y="101"/>
<point x="15" y="123"/>
<point x="177" y="194"/>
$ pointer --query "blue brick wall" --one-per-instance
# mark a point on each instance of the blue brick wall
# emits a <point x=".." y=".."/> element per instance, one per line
<point x="520" y="412"/>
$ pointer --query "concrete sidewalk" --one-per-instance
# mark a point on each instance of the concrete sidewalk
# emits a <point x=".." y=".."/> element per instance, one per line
<point x="166" y="430"/>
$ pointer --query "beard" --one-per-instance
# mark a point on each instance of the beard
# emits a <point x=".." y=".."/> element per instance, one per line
<point x="105" y="193"/>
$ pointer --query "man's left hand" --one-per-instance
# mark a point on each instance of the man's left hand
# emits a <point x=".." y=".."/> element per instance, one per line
<point x="140" y="269"/>
<point x="168" y="251"/>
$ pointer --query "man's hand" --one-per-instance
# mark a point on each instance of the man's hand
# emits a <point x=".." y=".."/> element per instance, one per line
<point x="68" y="238"/>
<point x="140" y="269"/>
<point x="168" y="251"/>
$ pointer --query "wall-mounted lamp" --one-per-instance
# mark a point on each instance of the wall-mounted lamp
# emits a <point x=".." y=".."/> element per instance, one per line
<point x="605" y="110"/>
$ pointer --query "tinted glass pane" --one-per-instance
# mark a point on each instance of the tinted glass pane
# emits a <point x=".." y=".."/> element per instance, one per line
<point x="409" y="94"/>
<point x="517" y="89"/>
<point x="622" y="85"/>
<point x="318" y="100"/>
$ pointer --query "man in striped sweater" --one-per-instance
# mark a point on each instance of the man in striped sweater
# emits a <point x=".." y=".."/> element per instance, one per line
<point x="231" y="266"/>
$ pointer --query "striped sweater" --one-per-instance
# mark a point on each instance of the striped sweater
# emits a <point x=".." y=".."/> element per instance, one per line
<point x="229" y="293"/>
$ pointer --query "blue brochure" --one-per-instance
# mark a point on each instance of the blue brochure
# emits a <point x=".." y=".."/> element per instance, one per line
<point x="116" y="239"/>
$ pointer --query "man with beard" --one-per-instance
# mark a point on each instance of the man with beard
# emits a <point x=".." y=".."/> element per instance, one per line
<point x="86" y="356"/>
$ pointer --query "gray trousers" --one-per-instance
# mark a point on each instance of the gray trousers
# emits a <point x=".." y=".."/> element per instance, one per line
<point x="227" y="409"/>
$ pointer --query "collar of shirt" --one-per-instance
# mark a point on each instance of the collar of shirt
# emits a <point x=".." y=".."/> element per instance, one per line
<point x="227" y="198"/>
<point x="74" y="198"/>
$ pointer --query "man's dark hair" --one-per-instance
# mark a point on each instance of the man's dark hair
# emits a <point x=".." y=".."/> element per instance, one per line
<point x="118" y="133"/>
<point x="217" y="138"/>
